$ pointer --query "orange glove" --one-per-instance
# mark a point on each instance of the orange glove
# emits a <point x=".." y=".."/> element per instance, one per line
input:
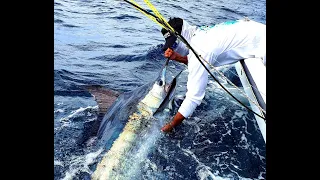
<point x="167" y="128"/>
<point x="177" y="119"/>
<point x="170" y="53"/>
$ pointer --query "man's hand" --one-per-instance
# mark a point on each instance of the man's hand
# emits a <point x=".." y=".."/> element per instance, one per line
<point x="177" y="119"/>
<point x="167" y="128"/>
<point x="169" y="53"/>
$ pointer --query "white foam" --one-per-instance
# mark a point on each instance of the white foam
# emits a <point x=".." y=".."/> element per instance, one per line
<point x="58" y="111"/>
<point x="260" y="175"/>
<point x="57" y="163"/>
<point x="258" y="153"/>
<point x="77" y="112"/>
<point x="204" y="172"/>
<point x="238" y="114"/>
<point x="244" y="141"/>
<point x="235" y="166"/>
<point x="70" y="174"/>
<point x="91" y="141"/>
<point x="242" y="178"/>
<point x="243" y="138"/>
<point x="90" y="158"/>
<point x="81" y="164"/>
<point x="205" y="142"/>
<point x="228" y="132"/>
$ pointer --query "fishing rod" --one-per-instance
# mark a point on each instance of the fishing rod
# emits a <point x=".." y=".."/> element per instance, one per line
<point x="172" y="31"/>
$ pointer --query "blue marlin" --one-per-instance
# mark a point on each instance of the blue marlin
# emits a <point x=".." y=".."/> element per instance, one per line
<point x="131" y="114"/>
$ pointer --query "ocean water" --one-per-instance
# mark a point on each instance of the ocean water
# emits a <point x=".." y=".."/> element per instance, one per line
<point x="109" y="43"/>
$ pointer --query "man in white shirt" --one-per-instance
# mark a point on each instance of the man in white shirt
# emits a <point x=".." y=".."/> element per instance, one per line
<point x="221" y="44"/>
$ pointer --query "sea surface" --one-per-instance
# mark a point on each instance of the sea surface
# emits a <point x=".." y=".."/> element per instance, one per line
<point x="109" y="43"/>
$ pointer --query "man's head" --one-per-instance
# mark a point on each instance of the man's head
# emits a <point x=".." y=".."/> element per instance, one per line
<point x="176" y="23"/>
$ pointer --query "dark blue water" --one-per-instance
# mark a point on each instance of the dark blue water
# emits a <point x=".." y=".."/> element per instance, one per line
<point x="109" y="43"/>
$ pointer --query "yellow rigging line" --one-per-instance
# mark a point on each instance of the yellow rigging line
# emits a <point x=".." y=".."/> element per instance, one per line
<point x="149" y="16"/>
<point x="157" y="13"/>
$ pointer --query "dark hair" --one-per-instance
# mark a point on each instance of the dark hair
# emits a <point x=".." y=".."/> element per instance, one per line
<point x="176" y="23"/>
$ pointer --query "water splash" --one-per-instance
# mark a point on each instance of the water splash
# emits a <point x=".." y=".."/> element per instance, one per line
<point x="80" y="164"/>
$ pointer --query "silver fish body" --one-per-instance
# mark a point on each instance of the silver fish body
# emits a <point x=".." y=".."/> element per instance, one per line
<point x="117" y="159"/>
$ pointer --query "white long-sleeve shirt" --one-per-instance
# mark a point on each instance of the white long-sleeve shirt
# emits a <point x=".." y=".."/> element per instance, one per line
<point x="222" y="44"/>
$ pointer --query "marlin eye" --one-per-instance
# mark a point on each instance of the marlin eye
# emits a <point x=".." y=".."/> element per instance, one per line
<point x="160" y="83"/>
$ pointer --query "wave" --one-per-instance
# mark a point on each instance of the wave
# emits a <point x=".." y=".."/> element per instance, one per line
<point x="180" y="8"/>
<point x="69" y="83"/>
<point x="58" y="21"/>
<point x="70" y="26"/>
<point x="126" y="58"/>
<point x="125" y="17"/>
<point x="234" y="11"/>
